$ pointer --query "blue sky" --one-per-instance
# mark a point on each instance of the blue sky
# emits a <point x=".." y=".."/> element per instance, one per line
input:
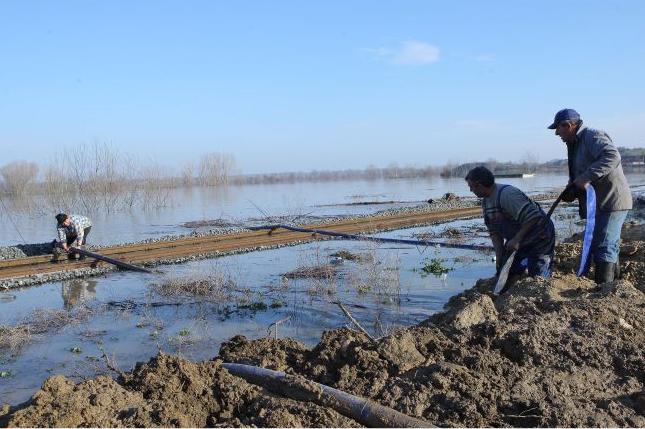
<point x="304" y="85"/>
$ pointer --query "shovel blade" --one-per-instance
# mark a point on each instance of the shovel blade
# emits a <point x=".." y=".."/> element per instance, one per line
<point x="503" y="274"/>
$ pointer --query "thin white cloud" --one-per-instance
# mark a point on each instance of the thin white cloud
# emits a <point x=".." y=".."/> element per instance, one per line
<point x="416" y="53"/>
<point x="410" y="53"/>
<point x="484" y="58"/>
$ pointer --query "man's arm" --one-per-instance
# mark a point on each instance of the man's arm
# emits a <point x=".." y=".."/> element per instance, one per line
<point x="606" y="158"/>
<point x="514" y="243"/>
<point x="79" y="238"/>
<point x="62" y="237"/>
<point x="523" y="211"/>
<point x="498" y="245"/>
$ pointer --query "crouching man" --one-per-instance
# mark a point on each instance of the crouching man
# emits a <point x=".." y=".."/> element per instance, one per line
<point x="515" y="223"/>
<point x="72" y="231"/>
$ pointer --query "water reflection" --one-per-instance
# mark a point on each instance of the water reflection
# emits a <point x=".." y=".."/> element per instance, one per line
<point x="77" y="291"/>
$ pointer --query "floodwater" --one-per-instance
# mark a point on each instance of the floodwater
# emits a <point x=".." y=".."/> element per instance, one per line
<point x="241" y="203"/>
<point x="122" y="315"/>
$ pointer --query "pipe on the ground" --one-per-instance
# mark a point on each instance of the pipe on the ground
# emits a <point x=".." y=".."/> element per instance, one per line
<point x="376" y="239"/>
<point x="113" y="261"/>
<point x="364" y="411"/>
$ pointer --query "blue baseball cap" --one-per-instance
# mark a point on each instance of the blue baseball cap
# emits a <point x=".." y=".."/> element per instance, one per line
<point x="564" y="115"/>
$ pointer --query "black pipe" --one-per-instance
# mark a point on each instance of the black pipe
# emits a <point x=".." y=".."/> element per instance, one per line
<point x="377" y="239"/>
<point x="364" y="411"/>
<point x="110" y="260"/>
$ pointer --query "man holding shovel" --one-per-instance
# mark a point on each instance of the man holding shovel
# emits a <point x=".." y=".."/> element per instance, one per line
<point x="595" y="161"/>
<point x="515" y="224"/>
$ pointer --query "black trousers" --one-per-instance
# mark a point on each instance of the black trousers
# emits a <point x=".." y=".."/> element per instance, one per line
<point x="72" y="238"/>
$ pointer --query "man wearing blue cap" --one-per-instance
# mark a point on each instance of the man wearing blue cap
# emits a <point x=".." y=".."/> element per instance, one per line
<point x="593" y="159"/>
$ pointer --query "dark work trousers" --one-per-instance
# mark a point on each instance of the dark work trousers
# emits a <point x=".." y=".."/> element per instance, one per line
<point x="72" y="238"/>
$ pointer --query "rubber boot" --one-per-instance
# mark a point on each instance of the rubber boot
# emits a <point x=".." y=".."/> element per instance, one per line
<point x="605" y="272"/>
<point x="617" y="270"/>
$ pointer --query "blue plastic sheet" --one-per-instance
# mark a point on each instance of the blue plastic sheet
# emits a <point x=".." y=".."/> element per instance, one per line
<point x="589" y="227"/>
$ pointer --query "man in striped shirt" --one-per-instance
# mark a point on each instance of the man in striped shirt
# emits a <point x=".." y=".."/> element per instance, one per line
<point x="72" y="230"/>
<point x="515" y="223"/>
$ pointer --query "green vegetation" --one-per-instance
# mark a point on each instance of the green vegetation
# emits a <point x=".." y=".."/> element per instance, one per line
<point x="435" y="266"/>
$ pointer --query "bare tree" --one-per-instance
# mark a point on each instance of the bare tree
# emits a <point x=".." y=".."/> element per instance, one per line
<point x="215" y="168"/>
<point x="155" y="186"/>
<point x="188" y="174"/>
<point x="530" y="162"/>
<point x="17" y="175"/>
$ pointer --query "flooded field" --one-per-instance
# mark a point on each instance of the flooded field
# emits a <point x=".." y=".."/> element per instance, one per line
<point x="130" y="316"/>
<point x="84" y="327"/>
<point x="26" y="222"/>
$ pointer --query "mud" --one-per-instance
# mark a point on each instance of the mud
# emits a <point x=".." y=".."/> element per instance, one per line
<point x="556" y="352"/>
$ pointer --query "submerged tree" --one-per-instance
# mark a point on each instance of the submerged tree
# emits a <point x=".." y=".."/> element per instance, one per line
<point x="17" y="175"/>
<point x="215" y="168"/>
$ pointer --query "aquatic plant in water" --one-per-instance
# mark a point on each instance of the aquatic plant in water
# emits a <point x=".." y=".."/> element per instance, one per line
<point x="435" y="266"/>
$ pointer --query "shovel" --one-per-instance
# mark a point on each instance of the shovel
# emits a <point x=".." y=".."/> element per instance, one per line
<point x="503" y="274"/>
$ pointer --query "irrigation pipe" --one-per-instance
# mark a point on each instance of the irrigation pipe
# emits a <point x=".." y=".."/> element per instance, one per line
<point x="112" y="261"/>
<point x="364" y="411"/>
<point x="370" y="238"/>
<point x="589" y="229"/>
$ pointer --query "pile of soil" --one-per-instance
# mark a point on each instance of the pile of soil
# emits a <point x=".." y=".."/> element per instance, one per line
<point x="556" y="352"/>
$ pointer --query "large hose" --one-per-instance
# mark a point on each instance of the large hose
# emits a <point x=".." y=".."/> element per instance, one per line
<point x="589" y="228"/>
<point x="364" y="411"/>
<point x="369" y="238"/>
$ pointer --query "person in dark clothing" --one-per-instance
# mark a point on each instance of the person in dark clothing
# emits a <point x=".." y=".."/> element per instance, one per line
<point x="515" y="223"/>
<point x="594" y="161"/>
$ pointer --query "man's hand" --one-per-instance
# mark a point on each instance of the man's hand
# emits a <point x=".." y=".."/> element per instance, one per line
<point x="569" y="194"/>
<point x="65" y="247"/>
<point x="513" y="244"/>
<point x="581" y="183"/>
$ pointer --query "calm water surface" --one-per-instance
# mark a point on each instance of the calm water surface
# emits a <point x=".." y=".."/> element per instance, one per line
<point x="241" y="203"/>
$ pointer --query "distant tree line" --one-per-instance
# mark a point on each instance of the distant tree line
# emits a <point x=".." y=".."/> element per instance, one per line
<point x="371" y="172"/>
<point x="98" y="177"/>
<point x="632" y="159"/>
<point x="95" y="176"/>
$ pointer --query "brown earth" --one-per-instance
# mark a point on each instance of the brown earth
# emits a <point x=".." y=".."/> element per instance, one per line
<point x="557" y="352"/>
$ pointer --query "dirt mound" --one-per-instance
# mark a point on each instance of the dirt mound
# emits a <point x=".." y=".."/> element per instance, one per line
<point x="170" y="392"/>
<point x="556" y="352"/>
<point x="632" y="255"/>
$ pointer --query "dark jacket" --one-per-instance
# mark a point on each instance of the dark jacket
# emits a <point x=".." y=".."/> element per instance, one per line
<point x="594" y="157"/>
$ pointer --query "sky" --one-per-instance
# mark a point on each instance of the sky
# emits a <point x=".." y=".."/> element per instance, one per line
<point x="317" y="85"/>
